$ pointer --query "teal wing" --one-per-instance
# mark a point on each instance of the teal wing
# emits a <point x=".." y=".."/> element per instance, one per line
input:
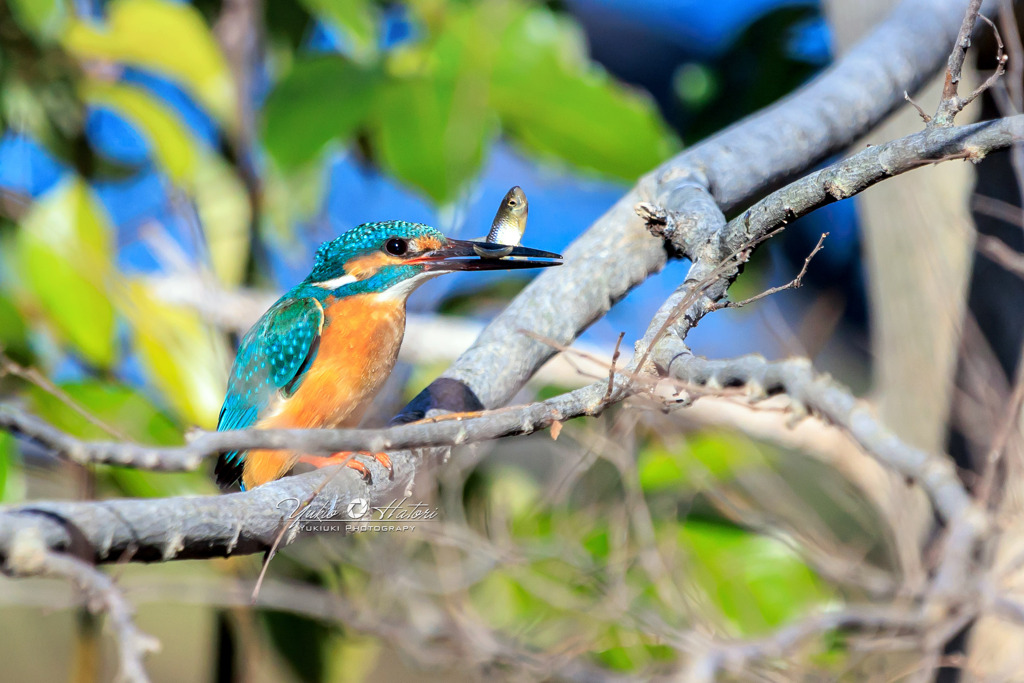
<point x="271" y="363"/>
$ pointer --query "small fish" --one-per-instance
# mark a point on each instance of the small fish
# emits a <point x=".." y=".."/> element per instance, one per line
<point x="508" y="225"/>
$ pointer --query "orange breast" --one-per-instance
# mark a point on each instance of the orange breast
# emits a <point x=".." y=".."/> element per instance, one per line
<point x="358" y="348"/>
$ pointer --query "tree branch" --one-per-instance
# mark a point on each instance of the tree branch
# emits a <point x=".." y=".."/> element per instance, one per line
<point x="155" y="530"/>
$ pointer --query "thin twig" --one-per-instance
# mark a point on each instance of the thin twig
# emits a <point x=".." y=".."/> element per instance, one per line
<point x="795" y="283"/>
<point x="1000" y="69"/>
<point x="951" y="104"/>
<point x="9" y="367"/>
<point x="611" y="369"/>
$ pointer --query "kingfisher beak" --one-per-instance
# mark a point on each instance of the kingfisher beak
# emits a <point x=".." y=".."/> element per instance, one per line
<point x="468" y="255"/>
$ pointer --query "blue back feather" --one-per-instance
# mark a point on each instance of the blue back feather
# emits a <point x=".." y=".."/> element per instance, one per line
<point x="272" y="361"/>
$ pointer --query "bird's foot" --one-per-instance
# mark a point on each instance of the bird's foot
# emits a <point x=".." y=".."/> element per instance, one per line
<point x="348" y="459"/>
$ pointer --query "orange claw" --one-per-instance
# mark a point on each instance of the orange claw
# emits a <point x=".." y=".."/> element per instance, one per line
<point x="347" y="458"/>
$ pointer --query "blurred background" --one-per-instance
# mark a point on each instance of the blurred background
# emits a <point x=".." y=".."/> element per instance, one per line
<point x="168" y="168"/>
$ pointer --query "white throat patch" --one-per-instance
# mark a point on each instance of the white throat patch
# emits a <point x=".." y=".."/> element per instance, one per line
<point x="401" y="290"/>
<point x="336" y="282"/>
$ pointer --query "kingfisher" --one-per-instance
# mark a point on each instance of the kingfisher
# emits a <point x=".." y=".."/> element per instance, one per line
<point x="318" y="356"/>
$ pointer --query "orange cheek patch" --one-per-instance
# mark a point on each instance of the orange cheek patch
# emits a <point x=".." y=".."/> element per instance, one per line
<point x="363" y="267"/>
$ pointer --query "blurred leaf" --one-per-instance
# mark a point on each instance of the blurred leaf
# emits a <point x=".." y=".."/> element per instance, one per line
<point x="706" y="457"/>
<point x="13" y="332"/>
<point x="170" y="38"/>
<point x="302" y="642"/>
<point x="291" y="198"/>
<point x="64" y="248"/>
<point x="557" y="103"/>
<point x="121" y="407"/>
<point x="322" y="98"/>
<point x="502" y="601"/>
<point x="183" y="358"/>
<point x="634" y="652"/>
<point x="757" y="582"/>
<point x="8" y="449"/>
<point x="129" y="412"/>
<point x="171" y="143"/>
<point x="514" y="492"/>
<point x="44" y="19"/>
<point x="354" y="18"/>
<point x="225" y="214"/>
<point x="353" y="660"/>
<point x="433" y="133"/>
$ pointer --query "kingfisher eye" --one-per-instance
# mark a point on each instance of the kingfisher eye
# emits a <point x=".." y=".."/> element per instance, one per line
<point x="396" y="246"/>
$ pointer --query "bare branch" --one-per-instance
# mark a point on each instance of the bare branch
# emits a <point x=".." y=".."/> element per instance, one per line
<point x="30" y="557"/>
<point x="826" y="398"/>
<point x="716" y="657"/>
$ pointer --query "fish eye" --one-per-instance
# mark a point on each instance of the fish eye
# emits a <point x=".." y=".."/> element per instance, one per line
<point x="396" y="246"/>
<point x="511" y="202"/>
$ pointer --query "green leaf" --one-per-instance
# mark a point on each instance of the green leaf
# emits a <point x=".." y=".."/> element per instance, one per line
<point x="433" y="133"/>
<point x="13" y="332"/>
<point x="322" y="98"/>
<point x="355" y="19"/>
<point x="558" y="104"/>
<point x="8" y="465"/>
<point x="704" y="458"/>
<point x="120" y="407"/>
<point x="64" y="250"/>
<point x="302" y="642"/>
<point x="131" y="414"/>
<point x="167" y="37"/>
<point x="757" y="582"/>
<point x="173" y="145"/>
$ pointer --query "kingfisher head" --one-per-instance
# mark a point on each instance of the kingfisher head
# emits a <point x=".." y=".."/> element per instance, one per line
<point x="392" y="258"/>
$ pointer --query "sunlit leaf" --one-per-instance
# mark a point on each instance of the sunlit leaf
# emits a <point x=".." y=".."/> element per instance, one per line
<point x="557" y="103"/>
<point x="225" y="214"/>
<point x="64" y="250"/>
<point x="172" y="143"/>
<point x="322" y="98"/>
<point x="185" y="360"/>
<point x="355" y="19"/>
<point x="44" y="19"/>
<point x="352" y="659"/>
<point x="757" y="582"/>
<point x="704" y="458"/>
<point x="167" y="37"/>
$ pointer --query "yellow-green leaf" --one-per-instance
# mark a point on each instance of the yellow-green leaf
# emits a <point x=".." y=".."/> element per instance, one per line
<point x="44" y="19"/>
<point x="184" y="359"/>
<point x="757" y="582"/>
<point x="170" y="38"/>
<point x="225" y="214"/>
<point x="172" y="143"/>
<point x="65" y="253"/>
